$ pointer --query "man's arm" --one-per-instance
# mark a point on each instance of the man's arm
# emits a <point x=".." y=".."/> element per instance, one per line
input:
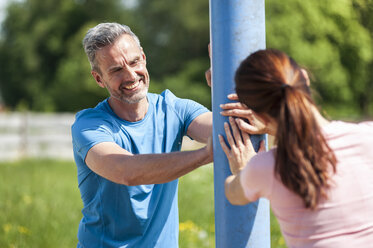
<point x="201" y="127"/>
<point x="116" y="164"/>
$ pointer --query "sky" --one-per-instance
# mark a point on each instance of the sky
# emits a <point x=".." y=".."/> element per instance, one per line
<point x="2" y="9"/>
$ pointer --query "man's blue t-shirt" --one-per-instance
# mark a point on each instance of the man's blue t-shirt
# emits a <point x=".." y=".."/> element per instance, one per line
<point x="116" y="215"/>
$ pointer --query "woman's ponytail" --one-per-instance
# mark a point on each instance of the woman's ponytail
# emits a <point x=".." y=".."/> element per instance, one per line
<point x="303" y="157"/>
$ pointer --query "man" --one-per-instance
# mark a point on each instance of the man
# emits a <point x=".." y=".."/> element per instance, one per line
<point x="127" y="148"/>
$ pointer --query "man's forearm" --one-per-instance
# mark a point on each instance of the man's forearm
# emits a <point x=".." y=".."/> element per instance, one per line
<point x="117" y="165"/>
<point x="163" y="168"/>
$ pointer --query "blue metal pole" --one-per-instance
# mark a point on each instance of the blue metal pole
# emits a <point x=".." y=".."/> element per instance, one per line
<point x="237" y="28"/>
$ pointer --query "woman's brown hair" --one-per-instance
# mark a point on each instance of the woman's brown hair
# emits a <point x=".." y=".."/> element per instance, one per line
<point x="270" y="82"/>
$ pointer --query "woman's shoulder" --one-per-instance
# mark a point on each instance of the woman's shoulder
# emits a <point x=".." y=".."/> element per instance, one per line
<point x="263" y="161"/>
<point x="366" y="124"/>
<point x="343" y="128"/>
<point x="258" y="176"/>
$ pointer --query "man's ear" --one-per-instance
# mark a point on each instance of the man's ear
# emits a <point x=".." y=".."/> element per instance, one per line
<point x="98" y="78"/>
<point x="305" y="74"/>
<point x="143" y="54"/>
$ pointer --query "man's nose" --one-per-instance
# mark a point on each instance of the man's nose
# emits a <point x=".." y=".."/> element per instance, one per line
<point x="130" y="75"/>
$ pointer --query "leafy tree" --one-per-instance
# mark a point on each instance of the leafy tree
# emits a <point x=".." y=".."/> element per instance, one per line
<point x="44" y="66"/>
<point x="74" y="88"/>
<point x="326" y="37"/>
<point x="364" y="10"/>
<point x="173" y="32"/>
<point x="39" y="47"/>
<point x="175" y="35"/>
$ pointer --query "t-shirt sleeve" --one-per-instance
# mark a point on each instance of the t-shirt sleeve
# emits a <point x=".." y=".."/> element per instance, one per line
<point x="186" y="109"/>
<point x="257" y="177"/>
<point x="367" y="124"/>
<point x="90" y="128"/>
<point x="366" y="139"/>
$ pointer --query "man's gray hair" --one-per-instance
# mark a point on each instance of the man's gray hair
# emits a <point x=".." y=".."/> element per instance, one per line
<point x="101" y="36"/>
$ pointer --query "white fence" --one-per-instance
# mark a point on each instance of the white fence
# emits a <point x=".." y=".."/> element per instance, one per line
<point x="25" y="135"/>
<point x="30" y="135"/>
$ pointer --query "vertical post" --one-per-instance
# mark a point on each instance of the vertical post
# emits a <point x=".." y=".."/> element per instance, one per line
<point x="237" y="28"/>
<point x="24" y="135"/>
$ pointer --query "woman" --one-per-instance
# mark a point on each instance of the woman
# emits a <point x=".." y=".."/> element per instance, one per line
<point x="318" y="177"/>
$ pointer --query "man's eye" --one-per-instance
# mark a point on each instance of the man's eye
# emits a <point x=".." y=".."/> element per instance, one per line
<point x="135" y="62"/>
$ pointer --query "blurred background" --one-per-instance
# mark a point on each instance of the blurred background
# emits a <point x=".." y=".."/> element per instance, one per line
<point x="45" y="79"/>
<point x="44" y="68"/>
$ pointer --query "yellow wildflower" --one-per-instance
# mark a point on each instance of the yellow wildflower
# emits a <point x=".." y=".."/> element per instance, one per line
<point x="7" y="227"/>
<point x="188" y="226"/>
<point x="23" y="230"/>
<point x="281" y="241"/>
<point x="27" y="199"/>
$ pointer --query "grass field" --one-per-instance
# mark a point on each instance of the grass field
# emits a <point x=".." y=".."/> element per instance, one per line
<point x="40" y="206"/>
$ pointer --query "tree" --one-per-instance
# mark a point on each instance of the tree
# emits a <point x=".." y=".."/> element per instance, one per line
<point x="364" y="10"/>
<point x="38" y="47"/>
<point x="44" y="66"/>
<point x="326" y="37"/>
<point x="175" y="36"/>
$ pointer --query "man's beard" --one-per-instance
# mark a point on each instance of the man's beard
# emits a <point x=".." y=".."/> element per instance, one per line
<point x="121" y="95"/>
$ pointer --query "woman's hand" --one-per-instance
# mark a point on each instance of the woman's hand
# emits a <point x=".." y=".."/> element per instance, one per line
<point x="254" y="124"/>
<point x="241" y="150"/>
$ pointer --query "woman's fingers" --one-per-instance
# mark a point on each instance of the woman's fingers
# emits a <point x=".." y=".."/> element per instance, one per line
<point x="246" y="127"/>
<point x="255" y="124"/>
<point x="224" y="146"/>
<point x="262" y="146"/>
<point x="233" y="97"/>
<point x="245" y="137"/>
<point x="229" y="136"/>
<point x="238" y="147"/>
<point x="236" y="132"/>
<point x="233" y="105"/>
<point x="241" y="113"/>
<point x="255" y="118"/>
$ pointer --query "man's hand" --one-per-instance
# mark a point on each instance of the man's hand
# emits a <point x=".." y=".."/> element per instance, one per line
<point x="210" y="149"/>
<point x="208" y="72"/>
<point x="208" y="77"/>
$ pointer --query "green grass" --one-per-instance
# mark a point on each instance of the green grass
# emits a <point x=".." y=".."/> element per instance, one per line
<point x="196" y="208"/>
<point x="40" y="206"/>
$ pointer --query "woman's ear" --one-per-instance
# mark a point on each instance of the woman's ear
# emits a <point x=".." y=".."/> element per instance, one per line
<point x="270" y="123"/>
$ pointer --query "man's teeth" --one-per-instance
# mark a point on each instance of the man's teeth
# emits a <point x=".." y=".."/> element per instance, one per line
<point x="131" y="86"/>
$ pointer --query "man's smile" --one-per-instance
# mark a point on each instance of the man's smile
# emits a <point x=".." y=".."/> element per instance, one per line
<point x="132" y="86"/>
